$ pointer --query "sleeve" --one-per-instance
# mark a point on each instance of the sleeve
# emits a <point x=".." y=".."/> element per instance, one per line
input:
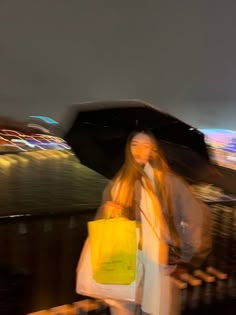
<point x="192" y="221"/>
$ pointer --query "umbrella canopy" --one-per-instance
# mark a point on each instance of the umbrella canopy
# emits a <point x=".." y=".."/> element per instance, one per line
<point x="100" y="130"/>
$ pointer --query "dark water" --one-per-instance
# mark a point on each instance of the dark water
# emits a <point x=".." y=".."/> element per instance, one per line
<point x="47" y="181"/>
<point x="40" y="253"/>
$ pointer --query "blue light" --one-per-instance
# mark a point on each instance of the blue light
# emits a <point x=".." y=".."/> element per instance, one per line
<point x="46" y="119"/>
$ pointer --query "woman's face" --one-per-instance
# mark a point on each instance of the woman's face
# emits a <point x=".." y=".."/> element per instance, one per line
<point x="141" y="148"/>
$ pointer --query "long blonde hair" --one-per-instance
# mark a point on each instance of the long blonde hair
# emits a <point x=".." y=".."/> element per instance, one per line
<point x="131" y="171"/>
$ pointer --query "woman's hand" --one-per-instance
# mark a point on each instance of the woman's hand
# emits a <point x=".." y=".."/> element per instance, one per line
<point x="112" y="210"/>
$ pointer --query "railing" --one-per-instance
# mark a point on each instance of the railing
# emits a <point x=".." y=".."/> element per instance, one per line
<point x="45" y="249"/>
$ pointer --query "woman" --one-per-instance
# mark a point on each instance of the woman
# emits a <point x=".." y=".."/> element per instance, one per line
<point x="146" y="190"/>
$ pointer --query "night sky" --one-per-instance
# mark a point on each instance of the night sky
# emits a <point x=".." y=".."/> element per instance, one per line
<point x="179" y="55"/>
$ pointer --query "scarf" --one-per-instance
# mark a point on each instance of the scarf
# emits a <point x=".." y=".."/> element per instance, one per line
<point x="154" y="252"/>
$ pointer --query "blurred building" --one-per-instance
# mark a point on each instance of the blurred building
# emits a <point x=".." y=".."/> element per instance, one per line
<point x="45" y="124"/>
<point x="37" y="133"/>
<point x="222" y="144"/>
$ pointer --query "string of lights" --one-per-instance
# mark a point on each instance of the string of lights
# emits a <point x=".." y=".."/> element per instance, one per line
<point x="15" y="141"/>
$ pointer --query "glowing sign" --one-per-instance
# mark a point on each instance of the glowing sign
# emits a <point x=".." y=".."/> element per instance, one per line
<point x="46" y="119"/>
<point x="39" y="127"/>
<point x="24" y="142"/>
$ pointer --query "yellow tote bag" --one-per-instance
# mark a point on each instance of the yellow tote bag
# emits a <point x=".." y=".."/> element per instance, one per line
<point x="113" y="250"/>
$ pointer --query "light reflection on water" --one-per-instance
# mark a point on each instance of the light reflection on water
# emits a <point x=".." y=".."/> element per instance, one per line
<point x="47" y="181"/>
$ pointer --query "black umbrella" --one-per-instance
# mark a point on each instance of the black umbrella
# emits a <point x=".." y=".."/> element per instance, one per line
<point x="100" y="130"/>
